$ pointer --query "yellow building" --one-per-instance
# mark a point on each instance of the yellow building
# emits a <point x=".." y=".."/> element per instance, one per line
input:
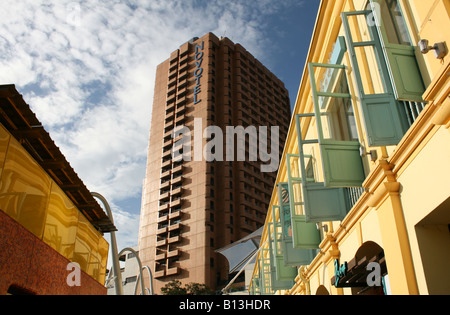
<point x="48" y="218"/>
<point x="362" y="197"/>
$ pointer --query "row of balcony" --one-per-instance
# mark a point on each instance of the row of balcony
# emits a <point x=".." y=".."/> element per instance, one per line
<point x="182" y="91"/>
<point x="250" y="225"/>
<point x="166" y="219"/>
<point x="170" y="201"/>
<point x="172" y="113"/>
<point x="178" y="57"/>
<point x="248" y="117"/>
<point x="164" y="227"/>
<point x="166" y="195"/>
<point x="168" y="240"/>
<point x="169" y="124"/>
<point x="173" y="178"/>
<point x="165" y="184"/>
<point x="166" y="205"/>
<point x="257" y="91"/>
<point x="254" y="72"/>
<point x="170" y="254"/>
<point x="166" y="271"/>
<point x="168" y="173"/>
<point x="181" y="67"/>
<point x="172" y="101"/>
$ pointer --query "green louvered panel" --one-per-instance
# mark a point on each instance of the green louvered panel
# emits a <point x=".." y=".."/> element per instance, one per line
<point x="400" y="54"/>
<point x="265" y="272"/>
<point x="282" y="277"/>
<point x="342" y="164"/>
<point x="324" y="204"/>
<point x="337" y="138"/>
<point x="385" y="121"/>
<point x="292" y="256"/>
<point x="304" y="235"/>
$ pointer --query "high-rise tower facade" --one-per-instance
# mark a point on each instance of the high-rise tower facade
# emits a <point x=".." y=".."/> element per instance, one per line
<point x="199" y="193"/>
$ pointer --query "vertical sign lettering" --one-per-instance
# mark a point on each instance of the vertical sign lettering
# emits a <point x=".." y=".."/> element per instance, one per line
<point x="198" y="71"/>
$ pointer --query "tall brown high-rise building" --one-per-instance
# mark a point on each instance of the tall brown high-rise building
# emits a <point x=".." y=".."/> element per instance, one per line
<point x="195" y="205"/>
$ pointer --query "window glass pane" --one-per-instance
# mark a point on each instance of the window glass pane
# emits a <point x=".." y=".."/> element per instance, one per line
<point x="330" y="80"/>
<point x="338" y="122"/>
<point x="393" y="21"/>
<point x="372" y="82"/>
<point x="337" y="117"/>
<point x="296" y="186"/>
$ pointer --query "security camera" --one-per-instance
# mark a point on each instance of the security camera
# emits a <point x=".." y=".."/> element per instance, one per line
<point x="440" y="49"/>
<point x="423" y="45"/>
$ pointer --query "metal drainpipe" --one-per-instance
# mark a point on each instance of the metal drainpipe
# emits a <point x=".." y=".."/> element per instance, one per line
<point x="115" y="257"/>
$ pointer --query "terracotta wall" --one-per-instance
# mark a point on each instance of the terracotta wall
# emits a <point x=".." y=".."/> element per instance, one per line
<point x="30" y="266"/>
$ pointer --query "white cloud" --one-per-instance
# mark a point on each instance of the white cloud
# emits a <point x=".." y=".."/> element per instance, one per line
<point x="87" y="69"/>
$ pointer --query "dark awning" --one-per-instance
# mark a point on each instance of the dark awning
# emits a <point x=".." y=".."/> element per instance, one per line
<point x="354" y="273"/>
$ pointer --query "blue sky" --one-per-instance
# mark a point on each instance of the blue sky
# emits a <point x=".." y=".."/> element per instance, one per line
<point x="87" y="69"/>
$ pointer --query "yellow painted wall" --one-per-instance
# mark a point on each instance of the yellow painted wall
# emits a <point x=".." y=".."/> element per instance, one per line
<point x="425" y="186"/>
<point x="429" y="20"/>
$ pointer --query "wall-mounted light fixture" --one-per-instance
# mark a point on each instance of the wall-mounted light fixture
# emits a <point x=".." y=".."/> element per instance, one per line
<point x="373" y="153"/>
<point x="440" y="49"/>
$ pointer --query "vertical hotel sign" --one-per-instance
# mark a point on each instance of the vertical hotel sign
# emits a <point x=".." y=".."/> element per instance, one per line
<point x="198" y="71"/>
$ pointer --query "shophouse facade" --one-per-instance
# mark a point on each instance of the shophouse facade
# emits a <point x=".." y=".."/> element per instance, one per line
<point x="361" y="203"/>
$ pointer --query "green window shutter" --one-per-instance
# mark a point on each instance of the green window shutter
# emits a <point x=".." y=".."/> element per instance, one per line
<point x="322" y="203"/>
<point x="284" y="209"/>
<point x="405" y="73"/>
<point x="318" y="203"/>
<point x="401" y="60"/>
<point x="282" y="277"/>
<point x="325" y="204"/>
<point x="385" y="121"/>
<point x="336" y="126"/>
<point x="256" y="283"/>
<point x="385" y="124"/>
<point x="342" y="164"/>
<point x="305" y="235"/>
<point x="265" y="272"/>
<point x="291" y="256"/>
